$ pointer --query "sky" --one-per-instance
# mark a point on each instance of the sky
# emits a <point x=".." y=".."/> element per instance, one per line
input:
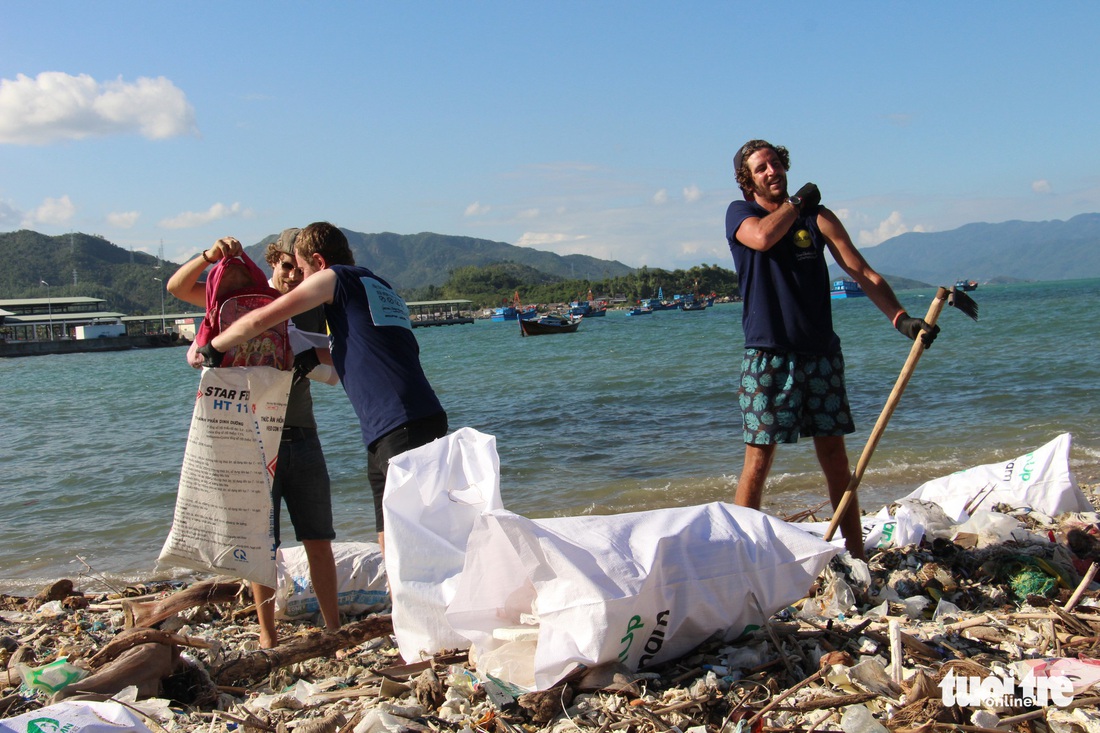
<point x="602" y="128"/>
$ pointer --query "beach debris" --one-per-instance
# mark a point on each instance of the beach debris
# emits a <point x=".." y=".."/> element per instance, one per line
<point x="261" y="662"/>
<point x="50" y="678"/>
<point x="922" y="624"/>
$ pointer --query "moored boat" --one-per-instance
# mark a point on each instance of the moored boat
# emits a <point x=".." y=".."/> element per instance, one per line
<point x="846" y="289"/>
<point x="966" y="285"/>
<point x="692" y="303"/>
<point x="513" y="311"/>
<point x="550" y="323"/>
<point x="587" y="309"/>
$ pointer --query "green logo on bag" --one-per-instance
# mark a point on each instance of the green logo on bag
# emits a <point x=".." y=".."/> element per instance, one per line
<point x="47" y="725"/>
<point x="634" y="624"/>
<point x="1029" y="466"/>
<point x="887" y="534"/>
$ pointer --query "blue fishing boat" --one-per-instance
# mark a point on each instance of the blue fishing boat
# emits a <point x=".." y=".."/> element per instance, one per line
<point x="588" y="308"/>
<point x="513" y="311"/>
<point x="846" y="289"/>
<point x="692" y="303"/>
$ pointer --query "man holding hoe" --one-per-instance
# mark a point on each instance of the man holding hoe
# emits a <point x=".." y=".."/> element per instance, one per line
<point x="792" y="374"/>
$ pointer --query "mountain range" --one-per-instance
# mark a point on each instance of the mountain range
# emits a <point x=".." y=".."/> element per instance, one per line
<point x="416" y="260"/>
<point x="1011" y="250"/>
<point x="89" y="265"/>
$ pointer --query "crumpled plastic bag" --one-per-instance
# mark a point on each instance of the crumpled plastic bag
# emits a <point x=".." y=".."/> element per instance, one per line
<point x="50" y="678"/>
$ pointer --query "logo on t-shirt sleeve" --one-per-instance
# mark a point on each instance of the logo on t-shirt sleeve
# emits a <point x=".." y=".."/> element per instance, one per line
<point x="386" y="307"/>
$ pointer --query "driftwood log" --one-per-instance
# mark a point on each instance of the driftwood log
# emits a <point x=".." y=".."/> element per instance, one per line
<point x="137" y="637"/>
<point x="318" y="644"/>
<point x="144" y="666"/>
<point x="148" y="613"/>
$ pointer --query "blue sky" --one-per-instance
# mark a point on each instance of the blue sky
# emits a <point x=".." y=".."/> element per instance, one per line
<point x="604" y="128"/>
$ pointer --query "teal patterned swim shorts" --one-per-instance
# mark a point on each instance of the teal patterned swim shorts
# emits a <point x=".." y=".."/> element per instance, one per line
<point x="784" y="396"/>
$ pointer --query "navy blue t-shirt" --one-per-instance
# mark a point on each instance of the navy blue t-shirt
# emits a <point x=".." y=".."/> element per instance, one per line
<point x="376" y="354"/>
<point x="785" y="290"/>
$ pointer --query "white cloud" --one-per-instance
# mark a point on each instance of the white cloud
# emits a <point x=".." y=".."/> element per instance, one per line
<point x="692" y="193"/>
<point x="892" y="226"/>
<point x="476" y="209"/>
<point x="528" y="214"/>
<point x="661" y="197"/>
<point x="123" y="219"/>
<point x="531" y="239"/>
<point x="51" y="211"/>
<point x="9" y="215"/>
<point x="191" y="219"/>
<point x="1040" y="186"/>
<point x="57" y="106"/>
<point x="558" y="242"/>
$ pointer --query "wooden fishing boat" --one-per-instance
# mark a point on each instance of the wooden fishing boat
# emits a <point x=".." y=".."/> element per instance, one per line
<point x="548" y="324"/>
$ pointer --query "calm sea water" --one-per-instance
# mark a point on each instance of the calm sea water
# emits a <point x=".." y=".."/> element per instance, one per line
<point x="626" y="414"/>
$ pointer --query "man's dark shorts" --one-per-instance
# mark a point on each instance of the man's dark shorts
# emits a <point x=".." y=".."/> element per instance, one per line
<point x="301" y="480"/>
<point x="412" y="434"/>
<point x="784" y="396"/>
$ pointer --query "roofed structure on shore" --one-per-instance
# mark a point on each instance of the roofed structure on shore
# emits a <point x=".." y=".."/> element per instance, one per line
<point x="30" y="319"/>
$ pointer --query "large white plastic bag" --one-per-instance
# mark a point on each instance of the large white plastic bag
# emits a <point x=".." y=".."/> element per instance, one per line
<point x="640" y="588"/>
<point x="433" y="495"/>
<point x="74" y="716"/>
<point x="1040" y="479"/>
<point x="223" y="516"/>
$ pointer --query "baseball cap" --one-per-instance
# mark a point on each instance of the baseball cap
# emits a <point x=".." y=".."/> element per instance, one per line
<point x="285" y="242"/>
<point x="748" y="148"/>
<point x="738" y="157"/>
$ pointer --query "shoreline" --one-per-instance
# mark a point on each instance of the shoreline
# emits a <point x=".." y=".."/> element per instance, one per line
<point x="94" y="578"/>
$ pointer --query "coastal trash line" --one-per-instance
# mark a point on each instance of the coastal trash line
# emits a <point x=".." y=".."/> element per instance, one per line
<point x="856" y="655"/>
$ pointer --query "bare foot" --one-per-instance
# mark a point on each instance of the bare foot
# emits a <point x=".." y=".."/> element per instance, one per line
<point x="268" y="641"/>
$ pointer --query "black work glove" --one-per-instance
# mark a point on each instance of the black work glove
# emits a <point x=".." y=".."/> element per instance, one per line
<point x="912" y="327"/>
<point x="811" y="198"/>
<point x="211" y="356"/>
<point x="304" y="363"/>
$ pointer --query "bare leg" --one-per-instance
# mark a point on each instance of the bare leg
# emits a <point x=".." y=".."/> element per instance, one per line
<point x="750" y="487"/>
<point x="322" y="571"/>
<point x="833" y="457"/>
<point x="264" y="598"/>
<point x="382" y="543"/>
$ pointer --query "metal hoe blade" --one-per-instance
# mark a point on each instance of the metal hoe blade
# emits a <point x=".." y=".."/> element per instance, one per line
<point x="963" y="302"/>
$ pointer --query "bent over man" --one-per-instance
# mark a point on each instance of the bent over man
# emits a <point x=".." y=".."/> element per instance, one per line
<point x="374" y="350"/>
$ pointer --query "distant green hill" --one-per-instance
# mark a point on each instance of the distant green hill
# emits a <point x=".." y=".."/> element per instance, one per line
<point x="84" y="265"/>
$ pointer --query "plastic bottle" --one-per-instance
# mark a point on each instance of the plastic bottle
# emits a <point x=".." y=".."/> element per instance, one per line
<point x="858" y="719"/>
